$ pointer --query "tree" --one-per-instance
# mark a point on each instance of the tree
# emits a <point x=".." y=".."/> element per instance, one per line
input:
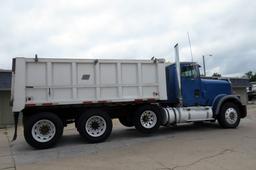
<point x="216" y="75"/>
<point x="251" y="76"/>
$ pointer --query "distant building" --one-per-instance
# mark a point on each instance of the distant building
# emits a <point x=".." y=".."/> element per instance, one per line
<point x="6" y="116"/>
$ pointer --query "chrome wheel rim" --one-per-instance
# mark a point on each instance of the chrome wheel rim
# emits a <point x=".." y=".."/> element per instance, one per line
<point x="43" y="130"/>
<point x="95" y="126"/>
<point x="148" y="119"/>
<point x="231" y="115"/>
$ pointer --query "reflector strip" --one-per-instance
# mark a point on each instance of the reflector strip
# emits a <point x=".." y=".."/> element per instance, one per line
<point x="30" y="105"/>
<point x="151" y="99"/>
<point x="87" y="102"/>
<point x="138" y="100"/>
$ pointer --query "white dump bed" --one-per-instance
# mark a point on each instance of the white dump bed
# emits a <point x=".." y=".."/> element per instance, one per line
<point x="83" y="81"/>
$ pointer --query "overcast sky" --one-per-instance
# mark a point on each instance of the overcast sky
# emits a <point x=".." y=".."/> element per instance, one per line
<point x="128" y="29"/>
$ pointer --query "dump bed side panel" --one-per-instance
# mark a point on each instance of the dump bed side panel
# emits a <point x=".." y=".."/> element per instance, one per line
<point x="70" y="81"/>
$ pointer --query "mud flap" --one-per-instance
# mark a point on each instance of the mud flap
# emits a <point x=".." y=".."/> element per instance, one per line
<point x="16" y="119"/>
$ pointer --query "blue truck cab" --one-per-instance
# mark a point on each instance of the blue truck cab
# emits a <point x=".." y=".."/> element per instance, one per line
<point x="199" y="91"/>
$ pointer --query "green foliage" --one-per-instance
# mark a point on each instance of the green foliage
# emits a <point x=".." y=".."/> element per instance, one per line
<point x="216" y="75"/>
<point x="251" y="76"/>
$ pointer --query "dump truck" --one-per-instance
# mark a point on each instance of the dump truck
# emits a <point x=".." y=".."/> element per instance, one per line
<point x="145" y="94"/>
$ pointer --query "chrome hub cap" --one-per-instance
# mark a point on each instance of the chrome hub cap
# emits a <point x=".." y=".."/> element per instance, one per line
<point x="148" y="119"/>
<point x="95" y="126"/>
<point x="43" y="130"/>
<point x="231" y="115"/>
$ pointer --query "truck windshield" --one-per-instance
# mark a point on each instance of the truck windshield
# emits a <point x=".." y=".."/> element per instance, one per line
<point x="189" y="72"/>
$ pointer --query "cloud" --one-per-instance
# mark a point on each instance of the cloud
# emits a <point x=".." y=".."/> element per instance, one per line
<point x="131" y="29"/>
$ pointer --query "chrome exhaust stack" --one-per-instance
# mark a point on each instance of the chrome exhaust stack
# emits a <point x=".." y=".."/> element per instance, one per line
<point x="178" y="72"/>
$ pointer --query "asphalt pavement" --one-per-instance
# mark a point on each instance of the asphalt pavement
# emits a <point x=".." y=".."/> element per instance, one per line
<point x="190" y="146"/>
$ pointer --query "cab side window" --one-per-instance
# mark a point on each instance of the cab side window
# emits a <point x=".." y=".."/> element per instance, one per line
<point x="189" y="72"/>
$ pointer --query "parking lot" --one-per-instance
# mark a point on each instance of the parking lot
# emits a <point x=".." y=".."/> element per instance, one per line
<point x="189" y="146"/>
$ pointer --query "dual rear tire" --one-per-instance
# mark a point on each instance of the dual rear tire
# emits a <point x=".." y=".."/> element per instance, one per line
<point x="43" y="130"/>
<point x="147" y="119"/>
<point x="94" y="126"/>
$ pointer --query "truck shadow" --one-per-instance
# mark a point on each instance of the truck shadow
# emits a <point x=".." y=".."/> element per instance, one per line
<point x="121" y="133"/>
<point x="165" y="131"/>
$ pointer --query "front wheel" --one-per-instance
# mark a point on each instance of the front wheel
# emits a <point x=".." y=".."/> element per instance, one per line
<point x="147" y="119"/>
<point x="43" y="130"/>
<point x="95" y="126"/>
<point x="229" y="116"/>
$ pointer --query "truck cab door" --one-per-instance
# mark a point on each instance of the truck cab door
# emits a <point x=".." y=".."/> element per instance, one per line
<point x="190" y="85"/>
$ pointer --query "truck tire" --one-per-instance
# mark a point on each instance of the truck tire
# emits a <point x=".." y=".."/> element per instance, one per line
<point x="147" y="119"/>
<point x="95" y="126"/>
<point x="229" y="116"/>
<point x="43" y="130"/>
<point x="126" y="120"/>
